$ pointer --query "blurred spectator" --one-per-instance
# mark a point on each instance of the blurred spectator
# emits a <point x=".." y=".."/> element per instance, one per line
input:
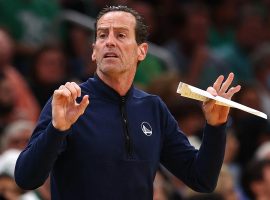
<point x="226" y="185"/>
<point x="8" y="188"/>
<point x="7" y="165"/>
<point x="17" y="100"/>
<point x="248" y="95"/>
<point x="256" y="180"/>
<point x="162" y="188"/>
<point x="231" y="153"/>
<point x="8" y="111"/>
<point x="148" y="13"/>
<point x="196" y="61"/>
<point x="78" y="42"/>
<point x="151" y="67"/>
<point x="232" y="147"/>
<point x="225" y="189"/>
<point x="250" y="130"/>
<point x="16" y="135"/>
<point x="249" y="35"/>
<point x="189" y="115"/>
<point x="261" y="61"/>
<point x="190" y="118"/>
<point x="263" y="151"/>
<point x="8" y="160"/>
<point x="49" y="71"/>
<point x="223" y="15"/>
<point x="164" y="15"/>
<point x="42" y="193"/>
<point x="15" y="138"/>
<point x="165" y="86"/>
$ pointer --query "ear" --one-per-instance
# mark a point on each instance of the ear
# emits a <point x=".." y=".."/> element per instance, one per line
<point x="142" y="51"/>
<point x="94" y="52"/>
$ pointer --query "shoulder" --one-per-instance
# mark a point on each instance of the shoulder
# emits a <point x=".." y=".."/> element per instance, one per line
<point x="142" y="95"/>
<point x="87" y="86"/>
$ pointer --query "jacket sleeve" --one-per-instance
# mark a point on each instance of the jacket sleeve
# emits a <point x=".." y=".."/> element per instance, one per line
<point x="35" y="162"/>
<point x="199" y="169"/>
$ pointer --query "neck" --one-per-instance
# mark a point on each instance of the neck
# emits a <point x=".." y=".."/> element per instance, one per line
<point x="121" y="84"/>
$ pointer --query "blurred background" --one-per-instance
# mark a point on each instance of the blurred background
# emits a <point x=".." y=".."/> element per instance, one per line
<point x="44" y="43"/>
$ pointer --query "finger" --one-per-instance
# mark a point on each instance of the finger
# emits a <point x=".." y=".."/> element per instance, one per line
<point x="72" y="90"/>
<point x="84" y="103"/>
<point x="226" y="84"/>
<point x="232" y="91"/>
<point x="61" y="87"/>
<point x="218" y="82"/>
<point x="62" y="91"/>
<point x="212" y="91"/>
<point x="77" y="87"/>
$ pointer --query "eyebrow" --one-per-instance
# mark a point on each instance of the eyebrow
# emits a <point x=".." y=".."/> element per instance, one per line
<point x="114" y="27"/>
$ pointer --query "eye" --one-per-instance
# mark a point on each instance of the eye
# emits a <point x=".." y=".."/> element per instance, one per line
<point x="101" y="35"/>
<point x="122" y="35"/>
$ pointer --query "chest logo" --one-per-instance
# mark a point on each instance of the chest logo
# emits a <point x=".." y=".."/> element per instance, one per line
<point x="146" y="128"/>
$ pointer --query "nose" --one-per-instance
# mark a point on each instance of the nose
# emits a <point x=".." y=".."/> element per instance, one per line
<point x="110" y="40"/>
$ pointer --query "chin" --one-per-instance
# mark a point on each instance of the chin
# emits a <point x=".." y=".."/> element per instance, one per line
<point x="110" y="70"/>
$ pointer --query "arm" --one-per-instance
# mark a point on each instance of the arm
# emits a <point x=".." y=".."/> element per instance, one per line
<point x="199" y="169"/>
<point x="49" y="137"/>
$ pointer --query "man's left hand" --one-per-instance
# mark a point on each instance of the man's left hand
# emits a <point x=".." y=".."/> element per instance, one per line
<point x="216" y="114"/>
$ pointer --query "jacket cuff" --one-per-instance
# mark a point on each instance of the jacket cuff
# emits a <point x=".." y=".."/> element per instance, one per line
<point x="57" y="134"/>
<point x="215" y="133"/>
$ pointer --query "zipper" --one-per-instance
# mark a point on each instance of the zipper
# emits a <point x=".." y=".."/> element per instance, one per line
<point x="128" y="143"/>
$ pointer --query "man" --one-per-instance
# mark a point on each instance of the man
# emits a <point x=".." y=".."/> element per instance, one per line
<point x="256" y="179"/>
<point x="112" y="148"/>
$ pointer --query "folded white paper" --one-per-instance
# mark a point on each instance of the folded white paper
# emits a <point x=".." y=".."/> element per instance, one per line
<point x="192" y="92"/>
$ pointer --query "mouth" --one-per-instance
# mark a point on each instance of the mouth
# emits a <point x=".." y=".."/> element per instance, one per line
<point x="110" y="55"/>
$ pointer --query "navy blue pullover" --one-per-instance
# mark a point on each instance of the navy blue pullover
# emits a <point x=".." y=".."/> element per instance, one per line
<point x="114" y="149"/>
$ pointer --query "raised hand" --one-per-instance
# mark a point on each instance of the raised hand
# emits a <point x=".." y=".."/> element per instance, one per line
<point x="215" y="114"/>
<point x="65" y="109"/>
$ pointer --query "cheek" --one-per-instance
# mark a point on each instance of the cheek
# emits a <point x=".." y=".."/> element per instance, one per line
<point x="133" y="53"/>
<point x="129" y="48"/>
<point x="97" y="54"/>
<point x="132" y="57"/>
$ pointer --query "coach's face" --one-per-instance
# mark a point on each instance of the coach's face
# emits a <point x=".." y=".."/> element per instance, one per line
<point x="116" y="51"/>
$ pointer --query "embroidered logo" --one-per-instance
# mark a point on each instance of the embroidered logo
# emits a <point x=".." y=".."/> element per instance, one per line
<point x="146" y="128"/>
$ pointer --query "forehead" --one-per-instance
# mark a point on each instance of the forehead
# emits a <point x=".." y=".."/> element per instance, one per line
<point x="119" y="19"/>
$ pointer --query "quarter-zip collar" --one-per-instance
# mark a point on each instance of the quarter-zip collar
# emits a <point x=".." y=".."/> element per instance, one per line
<point x="105" y="91"/>
<point x="97" y="88"/>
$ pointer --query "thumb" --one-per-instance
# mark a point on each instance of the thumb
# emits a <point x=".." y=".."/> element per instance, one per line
<point x="212" y="91"/>
<point x="84" y="103"/>
<point x="208" y="105"/>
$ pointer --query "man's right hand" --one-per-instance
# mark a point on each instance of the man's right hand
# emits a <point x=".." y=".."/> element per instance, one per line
<point x="65" y="109"/>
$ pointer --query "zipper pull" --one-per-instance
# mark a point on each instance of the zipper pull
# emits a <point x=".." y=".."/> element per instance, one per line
<point x="123" y="99"/>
